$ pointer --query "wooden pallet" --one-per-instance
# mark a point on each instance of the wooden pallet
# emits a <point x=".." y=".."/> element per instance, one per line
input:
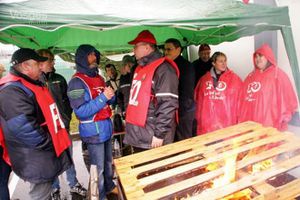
<point x="180" y="170"/>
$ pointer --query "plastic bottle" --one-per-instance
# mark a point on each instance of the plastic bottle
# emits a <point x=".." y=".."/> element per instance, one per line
<point x="113" y="147"/>
<point x="117" y="149"/>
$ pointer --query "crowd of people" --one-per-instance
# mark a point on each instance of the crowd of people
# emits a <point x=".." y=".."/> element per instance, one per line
<point x="162" y="97"/>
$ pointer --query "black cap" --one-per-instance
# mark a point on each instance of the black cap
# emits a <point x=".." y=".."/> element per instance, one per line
<point x="24" y="54"/>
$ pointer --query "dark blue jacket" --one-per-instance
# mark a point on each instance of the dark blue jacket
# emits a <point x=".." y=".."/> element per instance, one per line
<point x="28" y="142"/>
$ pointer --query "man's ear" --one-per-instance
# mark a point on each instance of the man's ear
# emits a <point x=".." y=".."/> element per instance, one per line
<point x="25" y="66"/>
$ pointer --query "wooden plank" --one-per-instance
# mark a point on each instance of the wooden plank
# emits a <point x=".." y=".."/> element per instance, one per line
<point x="207" y="151"/>
<point x="290" y="191"/>
<point x="211" y="159"/>
<point x="185" y="144"/>
<point x="141" y="170"/>
<point x="293" y="145"/>
<point x="198" y="180"/>
<point x="215" y="193"/>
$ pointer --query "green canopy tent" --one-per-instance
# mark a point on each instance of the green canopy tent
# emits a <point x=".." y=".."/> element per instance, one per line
<point x="109" y="24"/>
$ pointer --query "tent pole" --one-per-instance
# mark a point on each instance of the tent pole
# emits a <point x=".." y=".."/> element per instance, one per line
<point x="291" y="52"/>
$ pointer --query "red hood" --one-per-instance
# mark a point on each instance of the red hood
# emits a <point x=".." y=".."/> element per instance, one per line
<point x="267" y="52"/>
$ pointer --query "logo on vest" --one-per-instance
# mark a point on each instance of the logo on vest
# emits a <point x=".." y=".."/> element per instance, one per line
<point x="99" y="89"/>
<point x="215" y="93"/>
<point x="252" y="89"/>
<point x="56" y="117"/>
<point x="221" y="86"/>
<point x="134" y="92"/>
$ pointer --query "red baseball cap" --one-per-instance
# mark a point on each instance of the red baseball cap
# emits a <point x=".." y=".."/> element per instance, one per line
<point x="144" y="36"/>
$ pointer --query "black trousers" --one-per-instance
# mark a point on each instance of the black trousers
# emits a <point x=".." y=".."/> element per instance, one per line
<point x="5" y="170"/>
<point x="184" y="129"/>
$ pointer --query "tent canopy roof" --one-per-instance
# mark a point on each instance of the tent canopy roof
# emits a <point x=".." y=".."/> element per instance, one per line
<point x="63" y="25"/>
<point x="108" y="25"/>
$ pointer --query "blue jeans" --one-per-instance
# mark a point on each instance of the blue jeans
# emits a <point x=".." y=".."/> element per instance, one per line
<point x="71" y="178"/>
<point x="71" y="175"/>
<point x="101" y="156"/>
<point x="5" y="170"/>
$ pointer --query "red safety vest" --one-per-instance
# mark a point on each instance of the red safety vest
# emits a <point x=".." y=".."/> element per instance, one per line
<point x="2" y="143"/>
<point x="140" y="92"/>
<point x="96" y="86"/>
<point x="53" y="119"/>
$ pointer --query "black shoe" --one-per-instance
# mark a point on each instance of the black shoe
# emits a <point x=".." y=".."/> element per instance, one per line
<point x="55" y="194"/>
<point x="78" y="189"/>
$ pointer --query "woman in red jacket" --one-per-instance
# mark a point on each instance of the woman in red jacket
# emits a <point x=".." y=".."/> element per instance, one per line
<point x="267" y="95"/>
<point x="216" y="96"/>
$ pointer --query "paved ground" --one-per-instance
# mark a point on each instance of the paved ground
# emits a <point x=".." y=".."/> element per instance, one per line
<point x="20" y="191"/>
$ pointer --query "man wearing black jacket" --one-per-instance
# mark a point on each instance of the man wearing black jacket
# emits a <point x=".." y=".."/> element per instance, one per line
<point x="186" y="109"/>
<point x="128" y="63"/>
<point x="203" y="64"/>
<point x="58" y="86"/>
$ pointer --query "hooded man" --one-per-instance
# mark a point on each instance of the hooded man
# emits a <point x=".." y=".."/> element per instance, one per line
<point x="267" y="95"/>
<point x="90" y="100"/>
<point x="153" y="100"/>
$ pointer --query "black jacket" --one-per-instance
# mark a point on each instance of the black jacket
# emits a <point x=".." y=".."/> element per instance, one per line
<point x="124" y="91"/>
<point x="58" y="87"/>
<point x="186" y="84"/>
<point x="201" y="68"/>
<point x="186" y="109"/>
<point x="28" y="142"/>
<point x="160" y="120"/>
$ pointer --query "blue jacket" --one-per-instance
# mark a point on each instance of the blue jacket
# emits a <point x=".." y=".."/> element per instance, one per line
<point x="28" y="142"/>
<point x="84" y="106"/>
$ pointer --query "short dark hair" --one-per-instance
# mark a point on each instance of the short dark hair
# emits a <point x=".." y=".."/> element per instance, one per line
<point x="203" y="47"/>
<point x="42" y="52"/>
<point x="174" y="41"/>
<point x="128" y="59"/>
<point x="110" y="65"/>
